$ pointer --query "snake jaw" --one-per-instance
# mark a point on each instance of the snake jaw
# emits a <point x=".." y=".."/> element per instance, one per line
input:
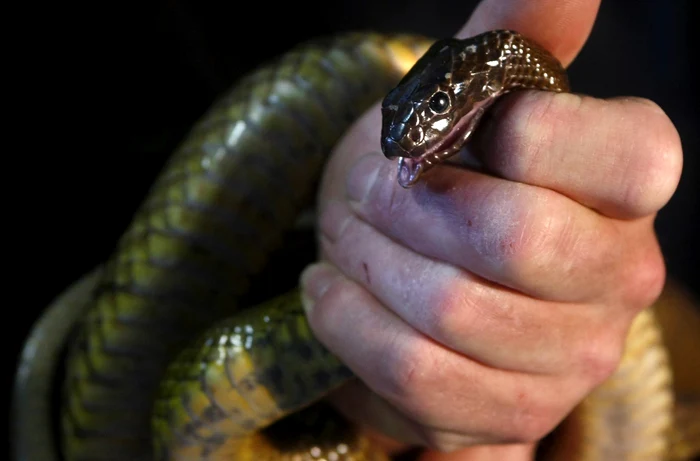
<point x="410" y="169"/>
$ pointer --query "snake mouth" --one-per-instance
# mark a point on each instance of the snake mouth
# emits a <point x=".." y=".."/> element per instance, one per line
<point x="411" y="168"/>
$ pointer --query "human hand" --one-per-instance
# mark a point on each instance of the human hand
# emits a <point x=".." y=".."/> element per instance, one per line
<point x="481" y="308"/>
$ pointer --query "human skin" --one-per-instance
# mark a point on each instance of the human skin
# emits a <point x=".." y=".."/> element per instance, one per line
<point x="480" y="306"/>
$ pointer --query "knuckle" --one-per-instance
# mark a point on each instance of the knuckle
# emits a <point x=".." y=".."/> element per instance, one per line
<point x="599" y="356"/>
<point x="534" y="416"/>
<point x="404" y="372"/>
<point x="581" y="246"/>
<point x="461" y="308"/>
<point x="531" y="239"/>
<point x="644" y="278"/>
<point x="655" y="169"/>
<point x="530" y="129"/>
<point x="452" y="310"/>
<point x="557" y="236"/>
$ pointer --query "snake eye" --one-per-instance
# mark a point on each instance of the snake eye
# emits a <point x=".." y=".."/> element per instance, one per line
<point x="439" y="102"/>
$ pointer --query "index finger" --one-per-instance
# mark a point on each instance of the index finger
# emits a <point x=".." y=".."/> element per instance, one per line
<point x="561" y="26"/>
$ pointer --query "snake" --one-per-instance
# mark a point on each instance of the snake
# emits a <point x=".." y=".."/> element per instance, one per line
<point x="159" y="354"/>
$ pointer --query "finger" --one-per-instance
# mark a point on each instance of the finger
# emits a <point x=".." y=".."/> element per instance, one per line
<point x="421" y="378"/>
<point x="377" y="416"/>
<point x="485" y="453"/>
<point x="497" y="327"/>
<point x="532" y="240"/>
<point x="622" y="157"/>
<point x="561" y="27"/>
<point x="360" y="404"/>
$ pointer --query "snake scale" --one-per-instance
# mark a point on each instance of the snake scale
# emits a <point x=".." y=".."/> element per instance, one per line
<point x="147" y="376"/>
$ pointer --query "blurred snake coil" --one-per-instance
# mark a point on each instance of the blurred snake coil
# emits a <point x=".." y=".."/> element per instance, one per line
<point x="165" y="361"/>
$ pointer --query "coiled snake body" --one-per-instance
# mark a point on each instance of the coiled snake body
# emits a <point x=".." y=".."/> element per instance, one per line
<point x="218" y="209"/>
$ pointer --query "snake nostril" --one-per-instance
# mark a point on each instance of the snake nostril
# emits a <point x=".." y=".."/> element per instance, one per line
<point x="416" y="135"/>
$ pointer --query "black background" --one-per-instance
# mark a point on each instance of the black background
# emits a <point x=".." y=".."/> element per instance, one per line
<point x="104" y="93"/>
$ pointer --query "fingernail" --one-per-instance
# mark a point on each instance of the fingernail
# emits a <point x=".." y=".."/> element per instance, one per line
<point x="362" y="176"/>
<point x="315" y="281"/>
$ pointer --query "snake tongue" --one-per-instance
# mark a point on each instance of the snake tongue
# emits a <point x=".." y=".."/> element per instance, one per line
<point x="409" y="171"/>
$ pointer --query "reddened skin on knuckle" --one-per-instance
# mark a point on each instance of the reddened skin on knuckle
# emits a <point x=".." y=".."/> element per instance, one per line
<point x="599" y="355"/>
<point x="451" y="308"/>
<point x="644" y="276"/>
<point x="401" y="376"/>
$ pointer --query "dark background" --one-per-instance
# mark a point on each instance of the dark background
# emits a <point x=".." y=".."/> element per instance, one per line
<point x="106" y="92"/>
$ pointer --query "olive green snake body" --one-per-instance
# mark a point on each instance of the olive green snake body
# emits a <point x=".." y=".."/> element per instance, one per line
<point x="149" y="377"/>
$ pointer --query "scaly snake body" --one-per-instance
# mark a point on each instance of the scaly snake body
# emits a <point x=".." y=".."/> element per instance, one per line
<point x="215" y="213"/>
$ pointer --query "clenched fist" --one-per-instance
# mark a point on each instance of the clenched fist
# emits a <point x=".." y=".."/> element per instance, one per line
<point x="480" y="306"/>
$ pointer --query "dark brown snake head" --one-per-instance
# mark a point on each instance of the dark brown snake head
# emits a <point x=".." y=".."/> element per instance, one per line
<point x="435" y="108"/>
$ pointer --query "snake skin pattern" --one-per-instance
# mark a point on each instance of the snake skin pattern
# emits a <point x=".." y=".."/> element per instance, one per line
<point x="139" y="387"/>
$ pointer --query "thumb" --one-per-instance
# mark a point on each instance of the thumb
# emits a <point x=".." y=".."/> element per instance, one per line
<point x="560" y="26"/>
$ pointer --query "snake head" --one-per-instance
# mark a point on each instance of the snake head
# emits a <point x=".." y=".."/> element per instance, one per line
<point x="421" y="110"/>
<point x="435" y="108"/>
